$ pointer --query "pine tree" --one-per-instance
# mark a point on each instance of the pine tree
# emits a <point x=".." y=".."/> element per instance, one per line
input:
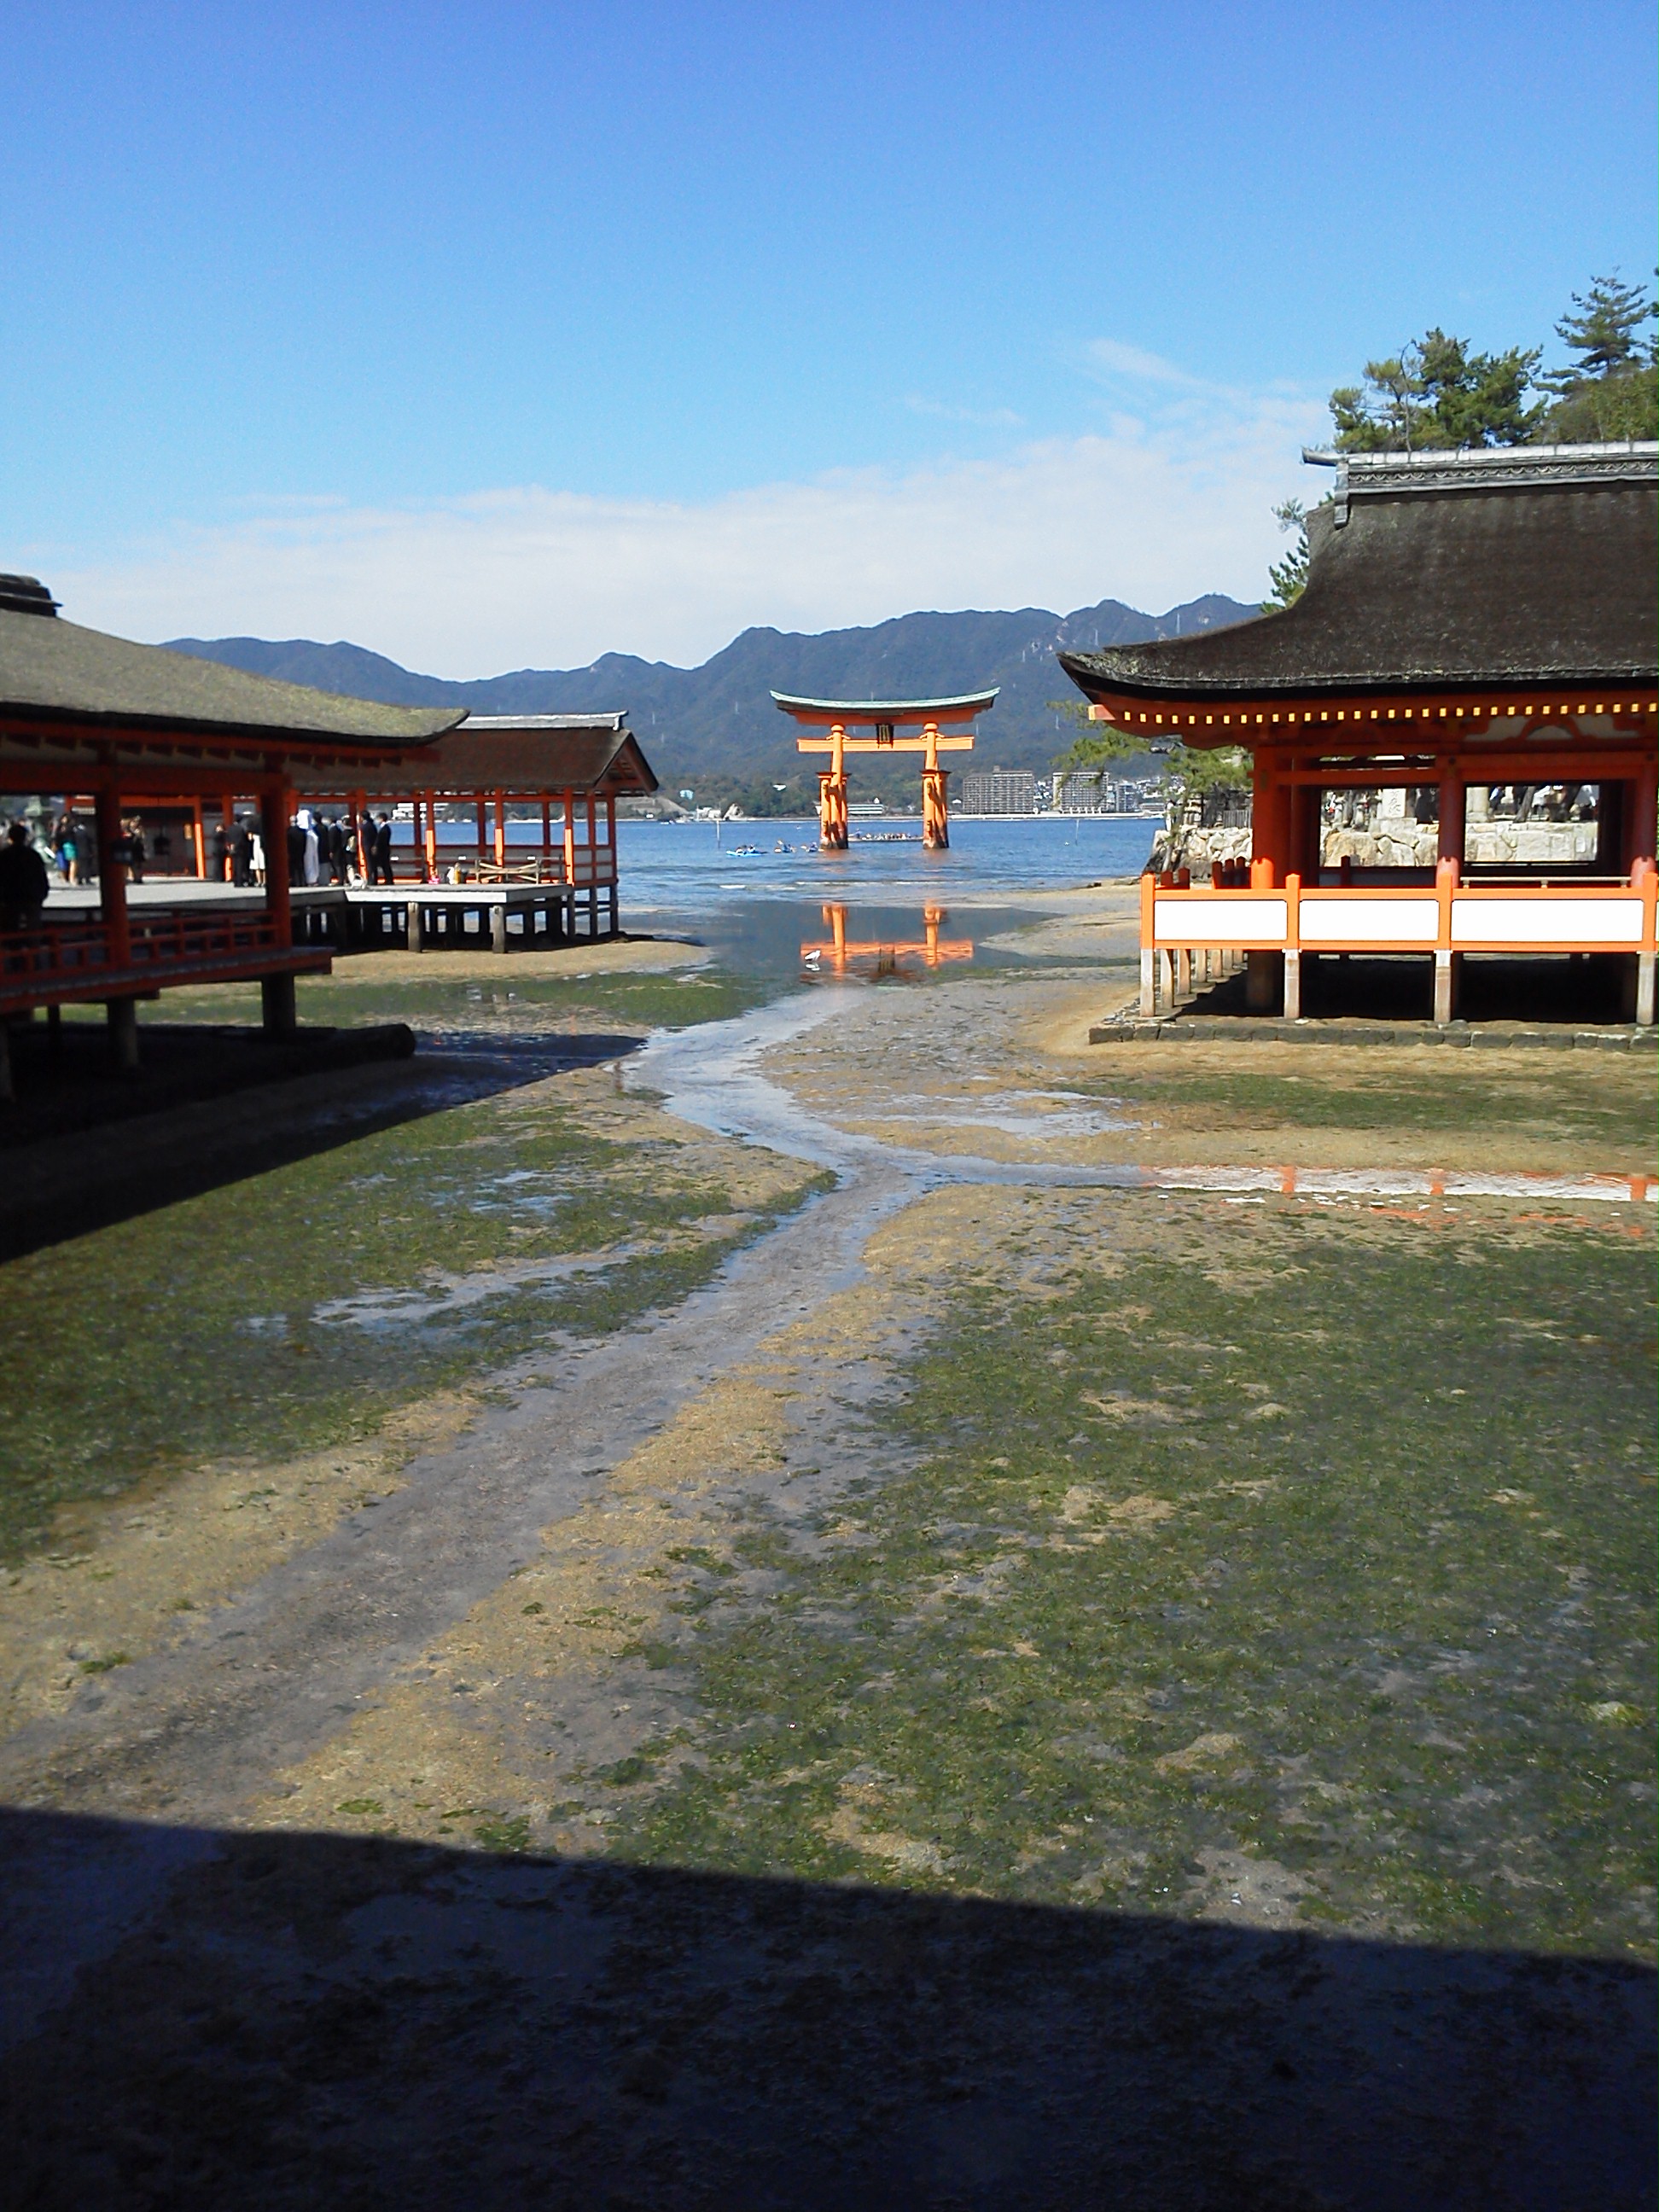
<point x="1604" y="331"/>
<point x="1435" y="392"/>
<point x="1289" y="576"/>
<point x="1612" y="390"/>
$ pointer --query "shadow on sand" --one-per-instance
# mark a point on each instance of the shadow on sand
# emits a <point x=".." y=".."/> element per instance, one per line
<point x="83" y="1149"/>
<point x="274" y="2019"/>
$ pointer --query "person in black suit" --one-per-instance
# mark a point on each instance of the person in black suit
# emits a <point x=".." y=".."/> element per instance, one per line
<point x="381" y="863"/>
<point x="24" y="883"/>
<point x="241" y="854"/>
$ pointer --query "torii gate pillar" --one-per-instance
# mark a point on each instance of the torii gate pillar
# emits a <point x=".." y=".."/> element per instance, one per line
<point x="935" y="800"/>
<point x="832" y="794"/>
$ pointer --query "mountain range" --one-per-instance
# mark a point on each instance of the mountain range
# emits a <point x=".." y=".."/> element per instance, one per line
<point x="716" y="727"/>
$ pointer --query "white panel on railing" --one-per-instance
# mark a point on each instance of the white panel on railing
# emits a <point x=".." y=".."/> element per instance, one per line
<point x="1230" y="918"/>
<point x="1336" y="917"/>
<point x="1547" y="920"/>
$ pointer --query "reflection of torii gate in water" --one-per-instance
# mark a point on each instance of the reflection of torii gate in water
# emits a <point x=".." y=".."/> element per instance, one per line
<point x="884" y="719"/>
<point x="838" y="952"/>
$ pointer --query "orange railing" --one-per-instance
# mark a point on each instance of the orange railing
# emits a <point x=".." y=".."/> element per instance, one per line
<point x="1222" y="921"/>
<point x="78" y="960"/>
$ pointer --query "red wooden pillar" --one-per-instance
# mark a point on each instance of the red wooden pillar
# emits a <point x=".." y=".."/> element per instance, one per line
<point x="431" y="876"/>
<point x="276" y="992"/>
<point x="482" y="832"/>
<point x="547" y="834"/>
<point x="112" y="877"/>
<point x="1302" y="856"/>
<point x="1642" y="832"/>
<point x="273" y="835"/>
<point x="501" y="828"/>
<point x="1269" y="815"/>
<point x="1453" y="813"/>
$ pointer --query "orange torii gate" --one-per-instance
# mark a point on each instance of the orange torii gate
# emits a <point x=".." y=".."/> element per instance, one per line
<point x="839" y="952"/>
<point x="885" y="718"/>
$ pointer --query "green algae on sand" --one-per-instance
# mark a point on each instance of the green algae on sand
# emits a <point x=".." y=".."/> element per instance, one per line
<point x="1287" y="1565"/>
<point x="296" y="1308"/>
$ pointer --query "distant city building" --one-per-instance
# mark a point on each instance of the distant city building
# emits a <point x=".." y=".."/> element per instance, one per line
<point x="998" y="791"/>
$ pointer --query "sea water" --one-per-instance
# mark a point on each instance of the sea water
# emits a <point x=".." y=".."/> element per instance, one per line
<point x="763" y="898"/>
<point x="756" y="892"/>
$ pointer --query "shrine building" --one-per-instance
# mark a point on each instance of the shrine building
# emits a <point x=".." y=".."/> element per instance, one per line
<point x="1475" y="624"/>
<point x="570" y="769"/>
<point x="110" y="729"/>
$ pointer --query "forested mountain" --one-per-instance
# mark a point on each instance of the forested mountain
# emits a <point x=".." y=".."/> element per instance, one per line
<point x="716" y="724"/>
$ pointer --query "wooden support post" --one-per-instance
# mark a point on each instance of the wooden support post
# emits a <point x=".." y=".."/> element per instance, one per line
<point x="593" y="871"/>
<point x="1293" y="947"/>
<point x="570" y="851"/>
<point x="1148" y="956"/>
<point x="431" y="837"/>
<point x="481" y="831"/>
<point x="273" y="835"/>
<point x="199" y="838"/>
<point x="121" y="1015"/>
<point x="500" y="829"/>
<point x="1445" y="960"/>
<point x="498" y="925"/>
<point x="279" y="1011"/>
<point x="547" y="839"/>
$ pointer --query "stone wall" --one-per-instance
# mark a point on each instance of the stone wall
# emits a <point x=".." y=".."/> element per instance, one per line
<point x="1380" y="830"/>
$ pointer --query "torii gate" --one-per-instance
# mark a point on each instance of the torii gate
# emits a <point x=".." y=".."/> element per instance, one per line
<point x="884" y="719"/>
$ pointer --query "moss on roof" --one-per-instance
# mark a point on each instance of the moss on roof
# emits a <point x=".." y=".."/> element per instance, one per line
<point x="59" y="672"/>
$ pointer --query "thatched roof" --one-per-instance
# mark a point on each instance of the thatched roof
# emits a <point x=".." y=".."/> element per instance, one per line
<point x="1530" y="566"/>
<point x="523" y="757"/>
<point x="56" y="676"/>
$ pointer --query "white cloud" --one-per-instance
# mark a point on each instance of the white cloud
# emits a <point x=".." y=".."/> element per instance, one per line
<point x="1000" y="418"/>
<point x="1120" y="360"/>
<point x="1158" y="507"/>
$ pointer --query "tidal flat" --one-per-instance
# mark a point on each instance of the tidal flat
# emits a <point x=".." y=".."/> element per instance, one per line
<point x="967" y="1684"/>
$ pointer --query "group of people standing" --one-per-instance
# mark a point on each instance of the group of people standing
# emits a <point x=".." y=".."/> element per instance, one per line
<point x="326" y="851"/>
<point x="236" y="853"/>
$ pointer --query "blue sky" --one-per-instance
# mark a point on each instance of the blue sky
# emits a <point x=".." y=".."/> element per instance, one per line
<point x="505" y="335"/>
